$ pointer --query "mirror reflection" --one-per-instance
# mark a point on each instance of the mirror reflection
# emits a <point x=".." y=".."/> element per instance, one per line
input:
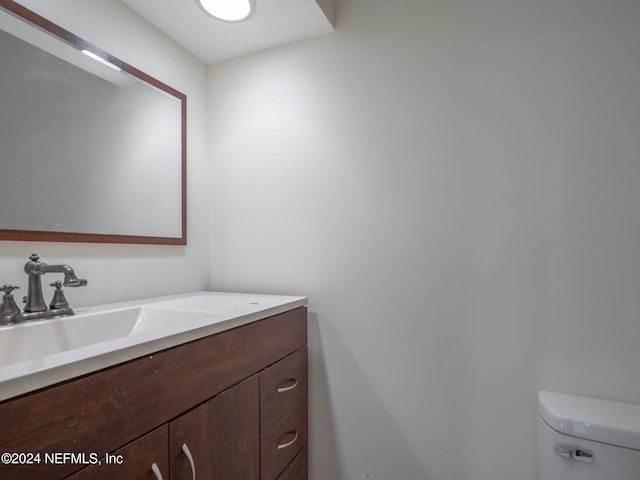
<point x="90" y="151"/>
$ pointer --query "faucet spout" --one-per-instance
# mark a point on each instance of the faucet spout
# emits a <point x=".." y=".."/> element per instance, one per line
<point x="70" y="278"/>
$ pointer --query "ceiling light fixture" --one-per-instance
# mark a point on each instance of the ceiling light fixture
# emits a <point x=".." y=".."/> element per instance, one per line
<point x="228" y="10"/>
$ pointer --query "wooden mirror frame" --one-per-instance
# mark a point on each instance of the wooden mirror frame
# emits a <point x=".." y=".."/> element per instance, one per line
<point x="50" y="236"/>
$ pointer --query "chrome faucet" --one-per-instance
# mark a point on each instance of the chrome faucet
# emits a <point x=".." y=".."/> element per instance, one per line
<point x="35" y="269"/>
<point x="35" y="307"/>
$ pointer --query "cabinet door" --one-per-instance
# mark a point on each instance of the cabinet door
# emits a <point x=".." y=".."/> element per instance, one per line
<point x="135" y="461"/>
<point x="218" y="440"/>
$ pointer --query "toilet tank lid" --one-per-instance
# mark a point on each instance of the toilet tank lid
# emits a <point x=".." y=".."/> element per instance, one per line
<point x="606" y="421"/>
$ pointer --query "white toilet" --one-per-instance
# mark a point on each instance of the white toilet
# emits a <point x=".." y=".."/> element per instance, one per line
<point x="583" y="438"/>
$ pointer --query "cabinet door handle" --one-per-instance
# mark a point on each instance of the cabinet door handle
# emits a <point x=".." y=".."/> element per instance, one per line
<point x="288" y="444"/>
<point x="288" y="385"/>
<point x="186" y="451"/>
<point x="156" y="471"/>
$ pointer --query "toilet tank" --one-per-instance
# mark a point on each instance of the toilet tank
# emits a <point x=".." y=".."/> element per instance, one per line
<point x="583" y="438"/>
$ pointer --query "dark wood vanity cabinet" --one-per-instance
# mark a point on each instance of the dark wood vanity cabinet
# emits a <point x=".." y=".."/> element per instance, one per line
<point x="231" y="406"/>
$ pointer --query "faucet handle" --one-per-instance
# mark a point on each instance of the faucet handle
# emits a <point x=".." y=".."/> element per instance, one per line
<point x="7" y="289"/>
<point x="59" y="301"/>
<point x="8" y="308"/>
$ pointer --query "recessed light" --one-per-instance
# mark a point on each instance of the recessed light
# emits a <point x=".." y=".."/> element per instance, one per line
<point x="228" y="10"/>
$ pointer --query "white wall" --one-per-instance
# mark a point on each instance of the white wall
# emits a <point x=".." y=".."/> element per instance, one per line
<point x="453" y="183"/>
<point x="122" y="272"/>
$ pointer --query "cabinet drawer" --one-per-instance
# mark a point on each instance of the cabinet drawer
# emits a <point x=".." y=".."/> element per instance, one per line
<point x="299" y="468"/>
<point x="282" y="386"/>
<point x="282" y="439"/>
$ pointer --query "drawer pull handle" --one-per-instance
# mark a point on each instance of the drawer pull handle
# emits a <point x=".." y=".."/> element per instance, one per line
<point x="156" y="471"/>
<point x="288" y="385"/>
<point x="186" y="451"/>
<point x="288" y="444"/>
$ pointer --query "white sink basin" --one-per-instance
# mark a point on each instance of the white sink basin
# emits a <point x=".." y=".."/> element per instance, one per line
<point x="40" y="353"/>
<point x="37" y="339"/>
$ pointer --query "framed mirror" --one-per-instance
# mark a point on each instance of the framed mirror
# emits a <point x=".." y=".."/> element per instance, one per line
<point x="91" y="148"/>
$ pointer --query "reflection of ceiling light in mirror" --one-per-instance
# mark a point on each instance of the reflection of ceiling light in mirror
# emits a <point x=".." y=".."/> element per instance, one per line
<point x="101" y="60"/>
<point x="228" y="10"/>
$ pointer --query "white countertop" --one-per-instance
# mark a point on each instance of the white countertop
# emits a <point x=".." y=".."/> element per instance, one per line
<point x="40" y="353"/>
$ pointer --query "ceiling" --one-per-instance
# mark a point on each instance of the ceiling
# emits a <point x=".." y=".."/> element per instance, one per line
<point x="275" y="22"/>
